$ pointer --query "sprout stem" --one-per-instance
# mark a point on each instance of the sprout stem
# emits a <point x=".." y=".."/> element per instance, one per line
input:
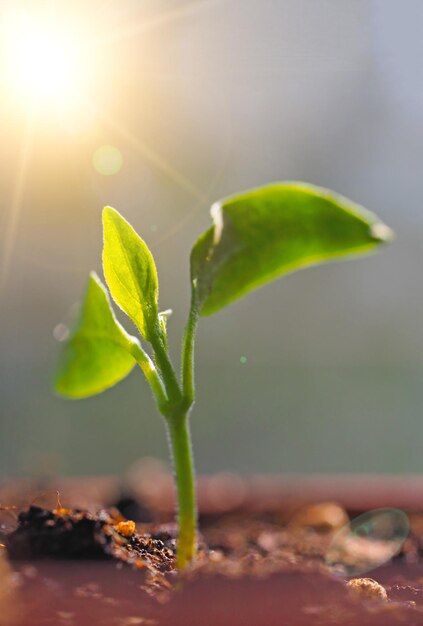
<point x="165" y="365"/>
<point x="153" y="378"/>
<point x="174" y="404"/>
<point x="175" y="410"/>
<point x="183" y="463"/>
<point x="188" y="384"/>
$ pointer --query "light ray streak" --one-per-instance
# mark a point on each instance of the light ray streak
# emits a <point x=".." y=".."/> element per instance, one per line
<point x="154" y="22"/>
<point x="154" y="158"/>
<point x="208" y="193"/>
<point x="16" y="202"/>
<point x="171" y="232"/>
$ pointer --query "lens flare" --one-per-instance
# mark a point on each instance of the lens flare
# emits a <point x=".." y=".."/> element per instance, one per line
<point x="107" y="160"/>
<point x="368" y="541"/>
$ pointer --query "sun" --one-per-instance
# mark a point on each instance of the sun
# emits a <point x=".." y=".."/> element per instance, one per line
<point x="42" y="60"/>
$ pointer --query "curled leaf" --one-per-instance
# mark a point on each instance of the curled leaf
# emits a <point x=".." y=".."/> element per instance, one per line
<point x="265" y="233"/>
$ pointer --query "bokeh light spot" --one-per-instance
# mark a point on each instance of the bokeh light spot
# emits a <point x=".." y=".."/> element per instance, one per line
<point x="61" y="332"/>
<point x="243" y="360"/>
<point x="107" y="160"/>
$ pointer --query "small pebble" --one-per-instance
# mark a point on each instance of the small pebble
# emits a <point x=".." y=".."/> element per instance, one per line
<point x="215" y="556"/>
<point x="267" y="541"/>
<point x="62" y="511"/>
<point x="367" y="588"/>
<point x="325" y="516"/>
<point x="126" y="529"/>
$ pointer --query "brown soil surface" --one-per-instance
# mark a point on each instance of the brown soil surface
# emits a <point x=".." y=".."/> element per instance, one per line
<point x="257" y="566"/>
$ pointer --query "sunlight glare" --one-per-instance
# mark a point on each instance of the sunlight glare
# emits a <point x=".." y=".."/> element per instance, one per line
<point x="42" y="59"/>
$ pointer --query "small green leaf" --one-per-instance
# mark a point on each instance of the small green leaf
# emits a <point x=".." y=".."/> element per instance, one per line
<point x="130" y="272"/>
<point x="98" y="353"/>
<point x="270" y="231"/>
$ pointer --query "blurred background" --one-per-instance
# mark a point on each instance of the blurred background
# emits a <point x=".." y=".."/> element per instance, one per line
<point x="160" y="107"/>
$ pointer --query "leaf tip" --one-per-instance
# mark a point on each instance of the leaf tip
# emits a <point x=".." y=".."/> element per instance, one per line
<point x="108" y="214"/>
<point x="381" y="232"/>
<point x="109" y="210"/>
<point x="95" y="283"/>
<point x="93" y="276"/>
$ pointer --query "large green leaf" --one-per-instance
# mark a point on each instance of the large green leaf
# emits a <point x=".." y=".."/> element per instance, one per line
<point x="97" y="355"/>
<point x="130" y="271"/>
<point x="270" y="231"/>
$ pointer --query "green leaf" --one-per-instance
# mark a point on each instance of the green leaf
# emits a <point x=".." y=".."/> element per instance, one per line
<point x="270" y="231"/>
<point x="98" y="353"/>
<point x="130" y="272"/>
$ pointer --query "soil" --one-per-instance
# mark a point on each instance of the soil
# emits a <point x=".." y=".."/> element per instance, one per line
<point x="261" y="565"/>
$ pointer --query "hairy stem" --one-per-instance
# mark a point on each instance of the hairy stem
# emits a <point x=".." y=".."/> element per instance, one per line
<point x="153" y="378"/>
<point x="164" y="363"/>
<point x="183" y="463"/>
<point x="188" y="383"/>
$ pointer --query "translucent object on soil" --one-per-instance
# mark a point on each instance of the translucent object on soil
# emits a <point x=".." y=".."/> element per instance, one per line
<point x="368" y="541"/>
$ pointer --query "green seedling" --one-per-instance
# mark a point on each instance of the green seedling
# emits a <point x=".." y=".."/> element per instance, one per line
<point x="257" y="236"/>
